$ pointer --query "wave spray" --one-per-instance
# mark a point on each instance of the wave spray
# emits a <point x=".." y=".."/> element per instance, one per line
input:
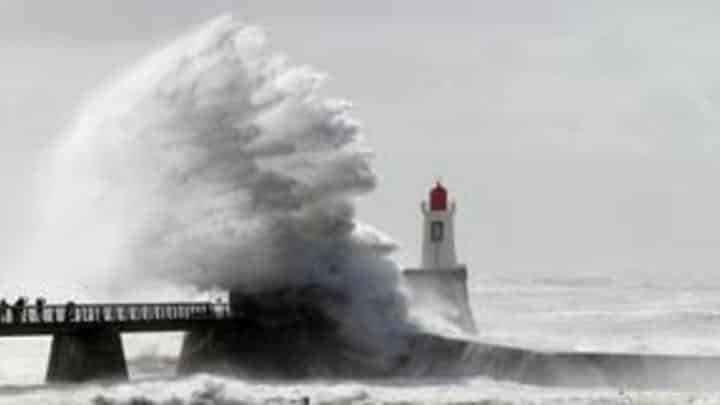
<point x="213" y="164"/>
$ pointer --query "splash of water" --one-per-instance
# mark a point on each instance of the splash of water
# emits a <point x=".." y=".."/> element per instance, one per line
<point x="214" y="163"/>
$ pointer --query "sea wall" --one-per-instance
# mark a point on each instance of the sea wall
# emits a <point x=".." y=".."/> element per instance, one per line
<point x="437" y="356"/>
<point x="263" y="351"/>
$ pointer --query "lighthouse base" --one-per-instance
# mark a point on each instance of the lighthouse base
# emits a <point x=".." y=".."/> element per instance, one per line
<point x="444" y="292"/>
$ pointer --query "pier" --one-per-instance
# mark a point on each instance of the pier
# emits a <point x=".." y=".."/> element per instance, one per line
<point x="86" y="340"/>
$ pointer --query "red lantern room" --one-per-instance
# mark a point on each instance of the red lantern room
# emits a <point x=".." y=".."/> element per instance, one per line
<point x="438" y="198"/>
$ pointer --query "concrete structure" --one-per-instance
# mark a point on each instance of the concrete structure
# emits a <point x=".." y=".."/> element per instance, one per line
<point x="86" y="354"/>
<point x="86" y="341"/>
<point x="440" y="284"/>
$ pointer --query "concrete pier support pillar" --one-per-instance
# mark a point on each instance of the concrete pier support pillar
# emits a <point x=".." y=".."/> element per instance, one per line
<point x="86" y="354"/>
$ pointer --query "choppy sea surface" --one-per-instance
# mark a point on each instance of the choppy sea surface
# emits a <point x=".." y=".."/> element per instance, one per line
<point x="566" y="313"/>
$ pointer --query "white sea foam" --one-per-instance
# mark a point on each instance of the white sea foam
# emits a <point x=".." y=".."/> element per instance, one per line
<point x="206" y="389"/>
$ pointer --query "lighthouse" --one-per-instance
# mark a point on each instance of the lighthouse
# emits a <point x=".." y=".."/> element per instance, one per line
<point x="438" y="230"/>
<point x="440" y="283"/>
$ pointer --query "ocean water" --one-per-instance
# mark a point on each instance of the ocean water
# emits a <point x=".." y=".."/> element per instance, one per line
<point x="628" y="313"/>
<point x="565" y="313"/>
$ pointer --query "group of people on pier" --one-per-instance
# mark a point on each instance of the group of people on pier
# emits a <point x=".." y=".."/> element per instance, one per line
<point x="21" y="312"/>
<point x="17" y="312"/>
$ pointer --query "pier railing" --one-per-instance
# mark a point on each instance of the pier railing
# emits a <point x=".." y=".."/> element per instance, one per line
<point x="42" y="319"/>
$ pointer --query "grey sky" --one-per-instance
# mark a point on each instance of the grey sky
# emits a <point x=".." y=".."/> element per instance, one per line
<point x="576" y="138"/>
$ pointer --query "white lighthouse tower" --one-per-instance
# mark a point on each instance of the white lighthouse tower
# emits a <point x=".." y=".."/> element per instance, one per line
<point x="438" y="230"/>
<point x="440" y="282"/>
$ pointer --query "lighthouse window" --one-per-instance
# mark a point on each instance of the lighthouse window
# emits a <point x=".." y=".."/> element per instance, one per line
<point x="436" y="231"/>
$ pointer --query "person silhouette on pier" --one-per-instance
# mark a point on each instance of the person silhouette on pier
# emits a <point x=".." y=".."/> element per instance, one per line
<point x="4" y="307"/>
<point x="70" y="311"/>
<point x="18" y="310"/>
<point x="40" y="309"/>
